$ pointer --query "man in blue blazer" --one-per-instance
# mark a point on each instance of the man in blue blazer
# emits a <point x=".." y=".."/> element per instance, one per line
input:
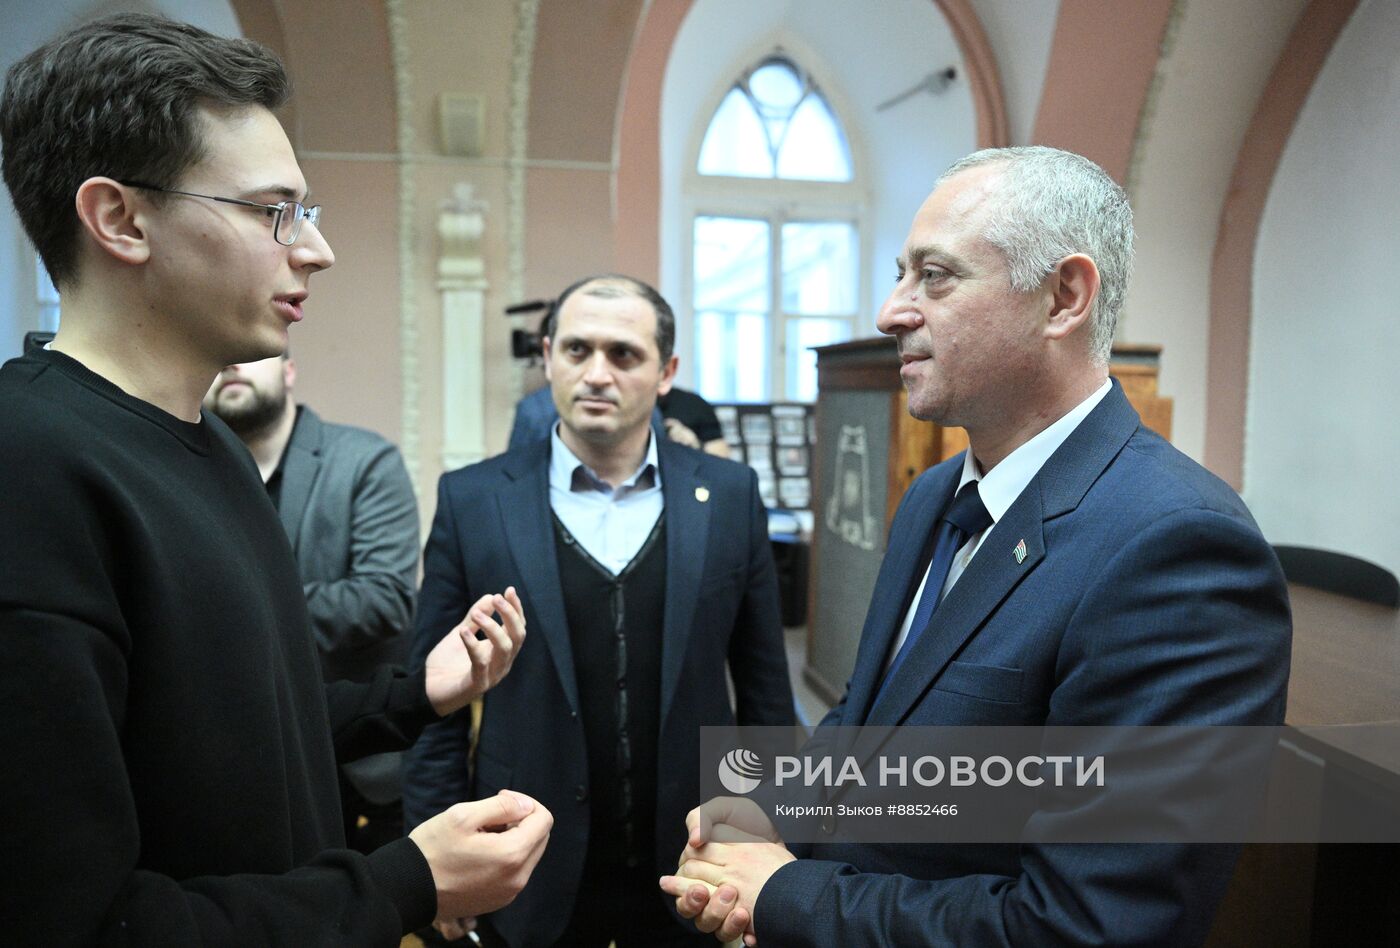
<point x="1094" y="576"/>
<point x="646" y="571"/>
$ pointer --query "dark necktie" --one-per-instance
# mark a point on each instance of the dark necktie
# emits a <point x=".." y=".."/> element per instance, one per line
<point x="965" y="517"/>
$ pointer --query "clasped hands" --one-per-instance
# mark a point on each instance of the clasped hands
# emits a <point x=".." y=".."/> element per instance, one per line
<point x="733" y="850"/>
<point x="463" y="667"/>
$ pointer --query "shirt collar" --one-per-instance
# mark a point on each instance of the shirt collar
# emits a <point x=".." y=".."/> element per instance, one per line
<point x="1003" y="484"/>
<point x="567" y="473"/>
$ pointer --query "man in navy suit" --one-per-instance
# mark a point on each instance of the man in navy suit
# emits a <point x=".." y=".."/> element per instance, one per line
<point x="645" y="568"/>
<point x="1095" y="576"/>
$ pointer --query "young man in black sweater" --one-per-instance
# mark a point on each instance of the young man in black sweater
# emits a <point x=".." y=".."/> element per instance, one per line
<point x="170" y="752"/>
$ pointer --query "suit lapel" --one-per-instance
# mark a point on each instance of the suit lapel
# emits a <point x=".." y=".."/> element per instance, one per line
<point x="991" y="576"/>
<point x="898" y="575"/>
<point x="687" y="528"/>
<point x="528" y="526"/>
<point x="1087" y="452"/>
<point x="997" y="569"/>
<point x="300" y="467"/>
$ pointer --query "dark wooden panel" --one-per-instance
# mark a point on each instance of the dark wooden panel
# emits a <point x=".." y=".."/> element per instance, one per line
<point x="1346" y="660"/>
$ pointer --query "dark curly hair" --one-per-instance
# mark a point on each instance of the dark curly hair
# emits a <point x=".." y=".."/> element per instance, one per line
<point x="117" y="97"/>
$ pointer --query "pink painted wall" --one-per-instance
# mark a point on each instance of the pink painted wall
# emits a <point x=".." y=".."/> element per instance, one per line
<point x="636" y="246"/>
<point x="1101" y="66"/>
<point x="343" y="108"/>
<point x="1232" y="264"/>
<point x="592" y="185"/>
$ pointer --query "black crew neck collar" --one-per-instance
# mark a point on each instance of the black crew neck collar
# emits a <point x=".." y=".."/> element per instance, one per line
<point x="193" y="434"/>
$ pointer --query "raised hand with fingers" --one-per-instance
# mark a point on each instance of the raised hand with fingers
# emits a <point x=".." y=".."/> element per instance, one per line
<point x="473" y="658"/>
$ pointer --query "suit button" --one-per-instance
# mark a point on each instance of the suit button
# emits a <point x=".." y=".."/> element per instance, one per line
<point x="573" y="715"/>
<point x="829" y="824"/>
<point x="580" y="793"/>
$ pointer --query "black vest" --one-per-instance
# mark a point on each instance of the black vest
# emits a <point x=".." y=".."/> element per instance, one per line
<point x="615" y="628"/>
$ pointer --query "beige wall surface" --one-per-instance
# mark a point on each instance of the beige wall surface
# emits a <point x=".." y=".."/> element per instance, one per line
<point x="370" y="350"/>
<point x="1097" y="79"/>
<point x="341" y="58"/>
<point x="1163" y="91"/>
<point x="579" y="63"/>
<point x="457" y="47"/>
<point x="1324" y="363"/>
<point x="347" y="347"/>
<point x="569" y="229"/>
<point x="1221" y="54"/>
<point x="342" y="122"/>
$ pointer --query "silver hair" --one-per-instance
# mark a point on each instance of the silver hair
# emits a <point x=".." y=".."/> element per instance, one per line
<point x="1052" y="204"/>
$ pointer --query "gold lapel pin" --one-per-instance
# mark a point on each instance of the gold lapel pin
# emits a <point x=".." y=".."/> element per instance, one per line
<point x="1020" y="551"/>
<point x="702" y="494"/>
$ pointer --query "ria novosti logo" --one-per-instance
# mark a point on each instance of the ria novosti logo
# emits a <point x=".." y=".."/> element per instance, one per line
<point x="740" y="771"/>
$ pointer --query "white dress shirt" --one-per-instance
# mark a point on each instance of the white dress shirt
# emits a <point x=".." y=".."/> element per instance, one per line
<point x="999" y="489"/>
<point x="610" y="523"/>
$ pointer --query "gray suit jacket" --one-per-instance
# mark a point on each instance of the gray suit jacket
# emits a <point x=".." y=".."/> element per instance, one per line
<point x="350" y="513"/>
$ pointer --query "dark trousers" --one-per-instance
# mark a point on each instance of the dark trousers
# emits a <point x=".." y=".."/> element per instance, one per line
<point x="626" y="907"/>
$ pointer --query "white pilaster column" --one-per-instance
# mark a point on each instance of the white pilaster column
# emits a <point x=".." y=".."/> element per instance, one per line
<point x="462" y="284"/>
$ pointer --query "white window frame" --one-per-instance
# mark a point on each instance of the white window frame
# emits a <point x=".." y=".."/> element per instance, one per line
<point x="777" y="201"/>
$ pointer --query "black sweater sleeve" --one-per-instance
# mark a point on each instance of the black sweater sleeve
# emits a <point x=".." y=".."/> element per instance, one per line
<point x="385" y="713"/>
<point x="169" y="775"/>
<point x="73" y="828"/>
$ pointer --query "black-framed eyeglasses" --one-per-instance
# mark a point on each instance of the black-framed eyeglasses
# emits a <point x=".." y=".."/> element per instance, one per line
<point x="286" y="225"/>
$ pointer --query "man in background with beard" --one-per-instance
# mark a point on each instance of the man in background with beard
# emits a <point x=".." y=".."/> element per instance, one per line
<point x="345" y="500"/>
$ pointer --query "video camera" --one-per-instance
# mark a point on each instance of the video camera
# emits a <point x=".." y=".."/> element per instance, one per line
<point x="525" y="344"/>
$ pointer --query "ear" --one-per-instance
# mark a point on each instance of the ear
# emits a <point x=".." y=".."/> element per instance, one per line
<point x="289" y="373"/>
<point x="668" y="374"/>
<point x="547" y="346"/>
<point x="111" y="218"/>
<point x="1073" y="285"/>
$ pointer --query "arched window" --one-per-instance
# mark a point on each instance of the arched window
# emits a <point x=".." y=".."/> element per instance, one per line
<point x="774" y="123"/>
<point x="776" y="219"/>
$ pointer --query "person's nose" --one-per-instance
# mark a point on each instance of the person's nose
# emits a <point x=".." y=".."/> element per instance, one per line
<point x="596" y="373"/>
<point x="899" y="313"/>
<point x="312" y="251"/>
